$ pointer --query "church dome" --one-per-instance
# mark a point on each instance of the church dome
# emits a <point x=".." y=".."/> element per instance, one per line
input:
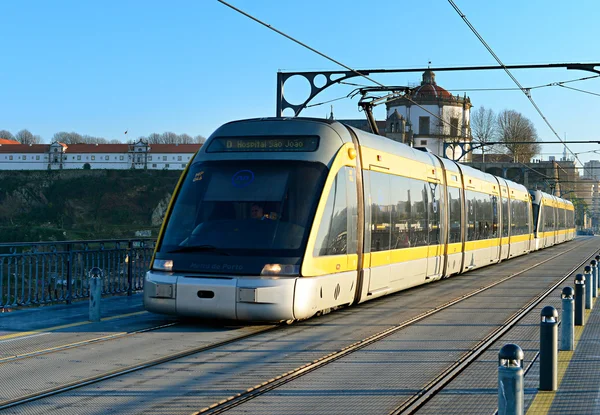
<point x="429" y="89"/>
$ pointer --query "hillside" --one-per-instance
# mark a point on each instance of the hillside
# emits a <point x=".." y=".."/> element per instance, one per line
<point x="82" y="204"/>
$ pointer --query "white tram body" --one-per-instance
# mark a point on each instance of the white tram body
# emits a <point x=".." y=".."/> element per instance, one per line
<point x="554" y="219"/>
<point x="279" y="219"/>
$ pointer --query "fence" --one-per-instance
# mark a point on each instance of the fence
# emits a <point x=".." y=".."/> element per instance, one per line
<point x="50" y="272"/>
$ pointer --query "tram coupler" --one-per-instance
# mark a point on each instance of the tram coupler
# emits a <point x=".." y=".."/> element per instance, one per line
<point x="549" y="349"/>
<point x="95" y="283"/>
<point x="579" y="300"/>
<point x="587" y="272"/>
<point x="510" y="380"/>
<point x="567" y="324"/>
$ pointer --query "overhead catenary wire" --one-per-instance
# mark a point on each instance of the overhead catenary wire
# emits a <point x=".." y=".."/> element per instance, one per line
<point x="327" y="57"/>
<point x="526" y="91"/>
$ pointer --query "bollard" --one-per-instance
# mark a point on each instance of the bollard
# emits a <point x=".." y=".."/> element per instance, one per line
<point x="594" y="282"/>
<point x="95" y="277"/>
<point x="510" y="380"/>
<point x="549" y="349"/>
<point x="597" y="276"/>
<point x="587" y="273"/>
<point x="579" y="300"/>
<point x="567" y="333"/>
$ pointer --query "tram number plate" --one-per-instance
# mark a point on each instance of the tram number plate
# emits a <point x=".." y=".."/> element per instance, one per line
<point x="164" y="290"/>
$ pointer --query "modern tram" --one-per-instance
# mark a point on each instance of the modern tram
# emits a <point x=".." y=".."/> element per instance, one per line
<point x="282" y="219"/>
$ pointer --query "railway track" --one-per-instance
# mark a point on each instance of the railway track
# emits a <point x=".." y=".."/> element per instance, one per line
<point x="419" y="399"/>
<point x="277" y="381"/>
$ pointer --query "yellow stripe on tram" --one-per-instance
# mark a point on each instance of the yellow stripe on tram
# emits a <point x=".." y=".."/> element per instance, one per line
<point x="65" y="326"/>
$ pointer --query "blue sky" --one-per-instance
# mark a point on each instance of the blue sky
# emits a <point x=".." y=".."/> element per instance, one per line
<point x="101" y="68"/>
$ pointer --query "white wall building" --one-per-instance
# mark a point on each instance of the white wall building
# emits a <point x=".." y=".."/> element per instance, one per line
<point x="410" y="123"/>
<point x="59" y="156"/>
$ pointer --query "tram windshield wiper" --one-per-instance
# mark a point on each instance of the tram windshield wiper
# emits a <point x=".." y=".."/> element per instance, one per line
<point x="198" y="248"/>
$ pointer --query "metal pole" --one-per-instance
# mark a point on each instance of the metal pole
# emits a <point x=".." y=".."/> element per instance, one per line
<point x="594" y="278"/>
<point x="567" y="334"/>
<point x="549" y="349"/>
<point x="95" y="277"/>
<point x="587" y="272"/>
<point x="129" y="266"/>
<point x="510" y="380"/>
<point x="579" y="300"/>
<point x="598" y="276"/>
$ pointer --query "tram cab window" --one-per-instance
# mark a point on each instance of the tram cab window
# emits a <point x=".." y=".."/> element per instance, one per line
<point x="337" y="230"/>
<point x="215" y="204"/>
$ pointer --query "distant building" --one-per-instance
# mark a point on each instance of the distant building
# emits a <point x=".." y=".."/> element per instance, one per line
<point x="60" y="156"/>
<point x="591" y="170"/>
<point x="415" y="124"/>
<point x="7" y="141"/>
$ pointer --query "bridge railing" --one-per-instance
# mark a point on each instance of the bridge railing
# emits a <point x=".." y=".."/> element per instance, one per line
<point x="51" y="272"/>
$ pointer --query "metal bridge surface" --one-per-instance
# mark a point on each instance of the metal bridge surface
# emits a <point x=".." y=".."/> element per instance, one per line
<point x="133" y="362"/>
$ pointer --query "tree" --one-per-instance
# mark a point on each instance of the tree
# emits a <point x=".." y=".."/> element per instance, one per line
<point x="199" y="139"/>
<point x="185" y="139"/>
<point x="25" y="137"/>
<point x="7" y="135"/>
<point x="514" y="127"/>
<point x="483" y="127"/>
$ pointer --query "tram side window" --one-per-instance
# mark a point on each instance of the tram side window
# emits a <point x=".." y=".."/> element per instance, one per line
<point x="337" y="232"/>
<point x="561" y="218"/>
<point x="471" y="203"/>
<point x="381" y="209"/>
<point x="401" y="208"/>
<point x="519" y="217"/>
<point x="419" y="193"/>
<point x="505" y="219"/>
<point x="455" y="216"/>
<point x="494" y="228"/>
<point x="484" y="216"/>
<point x="548" y="218"/>
<point x="433" y="222"/>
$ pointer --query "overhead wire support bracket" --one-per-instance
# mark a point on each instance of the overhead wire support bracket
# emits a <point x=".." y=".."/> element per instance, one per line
<point x="336" y="77"/>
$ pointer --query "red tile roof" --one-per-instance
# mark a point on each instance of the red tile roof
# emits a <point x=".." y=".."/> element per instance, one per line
<point x="100" y="148"/>
<point x="7" y="141"/>
<point x="24" y="148"/>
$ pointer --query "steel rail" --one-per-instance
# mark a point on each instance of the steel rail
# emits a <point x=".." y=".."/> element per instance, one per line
<point x="278" y="381"/>
<point x="74" y="345"/>
<point x="123" y="371"/>
<point x="418" y="400"/>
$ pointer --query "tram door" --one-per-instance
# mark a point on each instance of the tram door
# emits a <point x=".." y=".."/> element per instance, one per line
<point x="496" y="231"/>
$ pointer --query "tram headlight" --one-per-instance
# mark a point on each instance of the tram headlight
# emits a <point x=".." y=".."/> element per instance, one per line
<point x="280" y="269"/>
<point x="163" y="265"/>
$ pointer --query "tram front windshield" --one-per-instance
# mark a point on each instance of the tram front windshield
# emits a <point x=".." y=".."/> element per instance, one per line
<point x="256" y="207"/>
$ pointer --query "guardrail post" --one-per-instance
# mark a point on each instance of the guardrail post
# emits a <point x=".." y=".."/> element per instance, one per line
<point x="129" y="268"/>
<point x="549" y="349"/>
<point x="587" y="272"/>
<point x="579" y="300"/>
<point x="567" y="334"/>
<point x="597" y="274"/>
<point x="95" y="278"/>
<point x="594" y="278"/>
<point x="510" y="380"/>
<point x="69" y="273"/>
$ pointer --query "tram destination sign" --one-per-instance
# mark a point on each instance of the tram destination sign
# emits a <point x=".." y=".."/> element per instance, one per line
<point x="263" y="144"/>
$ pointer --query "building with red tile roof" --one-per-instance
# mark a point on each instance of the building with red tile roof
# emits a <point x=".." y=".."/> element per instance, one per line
<point x="59" y="156"/>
